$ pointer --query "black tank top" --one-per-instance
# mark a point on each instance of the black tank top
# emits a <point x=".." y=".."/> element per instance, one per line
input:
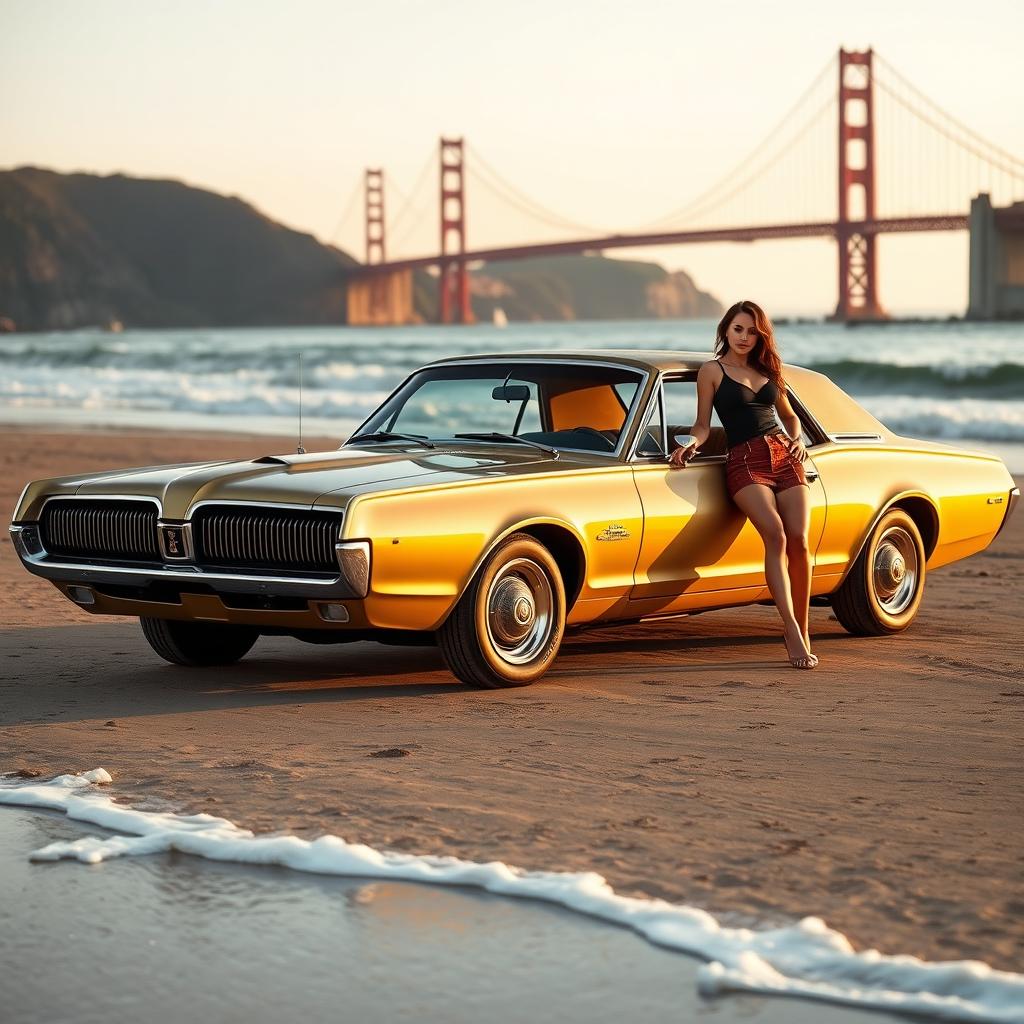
<point x="746" y="413"/>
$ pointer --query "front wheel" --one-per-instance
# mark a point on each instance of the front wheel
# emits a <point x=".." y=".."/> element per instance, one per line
<point x="883" y="591"/>
<point x="198" y="643"/>
<point x="507" y="627"/>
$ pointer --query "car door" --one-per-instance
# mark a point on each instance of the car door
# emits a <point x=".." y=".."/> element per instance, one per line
<point x="698" y="549"/>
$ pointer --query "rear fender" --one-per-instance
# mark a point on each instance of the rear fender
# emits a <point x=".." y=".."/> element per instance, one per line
<point x="920" y="507"/>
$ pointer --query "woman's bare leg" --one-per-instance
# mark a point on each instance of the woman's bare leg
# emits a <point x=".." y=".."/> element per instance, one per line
<point x="758" y="503"/>
<point x="794" y="506"/>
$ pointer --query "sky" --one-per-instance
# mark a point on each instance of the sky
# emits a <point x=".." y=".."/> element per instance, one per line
<point x="611" y="114"/>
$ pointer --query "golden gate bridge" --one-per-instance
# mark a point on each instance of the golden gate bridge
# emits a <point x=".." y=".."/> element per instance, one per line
<point x="897" y="163"/>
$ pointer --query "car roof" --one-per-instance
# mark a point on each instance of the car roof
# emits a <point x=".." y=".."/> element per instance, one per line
<point x="835" y="410"/>
<point x="647" y="359"/>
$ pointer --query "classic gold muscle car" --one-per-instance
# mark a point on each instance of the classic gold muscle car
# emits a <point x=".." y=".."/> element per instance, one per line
<point x="493" y="501"/>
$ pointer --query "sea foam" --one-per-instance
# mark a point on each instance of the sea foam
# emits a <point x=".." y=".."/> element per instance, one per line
<point x="807" y="959"/>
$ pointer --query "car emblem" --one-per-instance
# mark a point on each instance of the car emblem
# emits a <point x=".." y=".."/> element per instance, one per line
<point x="173" y="541"/>
<point x="615" y="531"/>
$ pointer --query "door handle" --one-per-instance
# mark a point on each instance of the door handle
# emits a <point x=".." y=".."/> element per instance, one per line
<point x="811" y="473"/>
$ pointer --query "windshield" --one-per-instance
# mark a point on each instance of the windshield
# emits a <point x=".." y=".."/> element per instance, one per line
<point x="563" y="405"/>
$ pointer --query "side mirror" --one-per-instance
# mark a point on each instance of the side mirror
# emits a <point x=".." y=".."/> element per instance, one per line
<point x="684" y="440"/>
<point x="511" y="393"/>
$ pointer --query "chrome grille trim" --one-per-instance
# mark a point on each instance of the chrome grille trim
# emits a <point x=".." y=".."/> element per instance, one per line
<point x="266" y="538"/>
<point x="100" y="528"/>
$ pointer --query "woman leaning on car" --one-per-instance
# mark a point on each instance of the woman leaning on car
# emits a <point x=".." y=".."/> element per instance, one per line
<point x="764" y="471"/>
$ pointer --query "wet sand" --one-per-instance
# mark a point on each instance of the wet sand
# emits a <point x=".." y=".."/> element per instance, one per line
<point x="291" y="946"/>
<point x="684" y="759"/>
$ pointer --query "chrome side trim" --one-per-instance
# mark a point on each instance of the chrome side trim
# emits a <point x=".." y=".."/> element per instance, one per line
<point x="853" y="436"/>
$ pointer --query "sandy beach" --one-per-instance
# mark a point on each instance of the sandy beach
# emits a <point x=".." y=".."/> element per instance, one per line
<point x="883" y="792"/>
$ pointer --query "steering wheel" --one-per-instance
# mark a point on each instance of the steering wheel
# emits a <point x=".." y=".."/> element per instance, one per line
<point x="608" y="443"/>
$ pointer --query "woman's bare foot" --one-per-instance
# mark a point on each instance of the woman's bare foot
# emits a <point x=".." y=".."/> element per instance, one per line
<point x="807" y="644"/>
<point x="796" y="649"/>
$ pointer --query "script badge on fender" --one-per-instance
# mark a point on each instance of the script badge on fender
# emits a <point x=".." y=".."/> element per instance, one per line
<point x="614" y="532"/>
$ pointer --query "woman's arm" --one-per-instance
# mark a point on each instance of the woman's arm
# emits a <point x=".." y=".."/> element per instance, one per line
<point x="791" y="424"/>
<point x="706" y="377"/>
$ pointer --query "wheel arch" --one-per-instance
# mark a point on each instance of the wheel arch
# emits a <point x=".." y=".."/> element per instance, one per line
<point x="921" y="510"/>
<point x="560" y="538"/>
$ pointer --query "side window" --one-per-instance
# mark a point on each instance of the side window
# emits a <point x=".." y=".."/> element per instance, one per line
<point x="675" y="411"/>
<point x="681" y="413"/>
<point x="651" y="437"/>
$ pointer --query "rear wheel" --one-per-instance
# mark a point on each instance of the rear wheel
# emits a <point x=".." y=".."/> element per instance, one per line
<point x="198" y="643"/>
<point x="883" y="591"/>
<point x="507" y="627"/>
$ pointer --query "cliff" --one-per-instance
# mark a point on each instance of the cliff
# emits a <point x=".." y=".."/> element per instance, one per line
<point x="81" y="250"/>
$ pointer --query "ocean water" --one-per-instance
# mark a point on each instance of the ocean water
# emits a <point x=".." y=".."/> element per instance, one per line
<point x="959" y="382"/>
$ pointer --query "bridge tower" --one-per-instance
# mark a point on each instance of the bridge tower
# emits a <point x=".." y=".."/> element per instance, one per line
<point x="858" y="280"/>
<point x="384" y="297"/>
<point x="454" y="279"/>
<point x="373" y="203"/>
<point x="373" y="199"/>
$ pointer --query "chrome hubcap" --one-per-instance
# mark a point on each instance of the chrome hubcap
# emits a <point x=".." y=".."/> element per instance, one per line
<point x="519" y="611"/>
<point x="895" y="570"/>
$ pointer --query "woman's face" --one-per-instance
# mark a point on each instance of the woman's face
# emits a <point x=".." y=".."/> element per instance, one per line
<point x="741" y="334"/>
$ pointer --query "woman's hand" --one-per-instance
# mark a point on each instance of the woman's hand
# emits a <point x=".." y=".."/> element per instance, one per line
<point x="681" y="456"/>
<point x="796" y="448"/>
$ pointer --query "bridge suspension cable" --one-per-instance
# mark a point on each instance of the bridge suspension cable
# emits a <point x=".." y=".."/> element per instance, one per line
<point x="710" y="196"/>
<point x="350" y="205"/>
<point x="426" y="173"/>
<point x="929" y="160"/>
<point x="979" y="142"/>
<point x="485" y="174"/>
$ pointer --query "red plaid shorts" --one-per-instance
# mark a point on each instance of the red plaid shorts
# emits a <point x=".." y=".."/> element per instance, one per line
<point x="762" y="460"/>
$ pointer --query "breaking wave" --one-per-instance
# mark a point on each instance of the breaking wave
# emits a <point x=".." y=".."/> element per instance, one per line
<point x="861" y="378"/>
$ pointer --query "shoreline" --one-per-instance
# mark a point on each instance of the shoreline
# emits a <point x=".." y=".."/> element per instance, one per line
<point x="680" y="759"/>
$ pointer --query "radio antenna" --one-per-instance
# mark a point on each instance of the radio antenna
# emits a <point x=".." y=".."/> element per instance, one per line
<point x="300" y="450"/>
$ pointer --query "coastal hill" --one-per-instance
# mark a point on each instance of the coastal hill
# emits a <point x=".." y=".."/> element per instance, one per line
<point x="83" y="250"/>
<point x="587" y="287"/>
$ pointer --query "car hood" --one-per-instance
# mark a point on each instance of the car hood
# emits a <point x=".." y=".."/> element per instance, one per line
<point x="326" y="479"/>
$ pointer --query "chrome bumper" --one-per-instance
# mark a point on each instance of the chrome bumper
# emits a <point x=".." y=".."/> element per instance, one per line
<point x="1011" y="504"/>
<point x="352" y="581"/>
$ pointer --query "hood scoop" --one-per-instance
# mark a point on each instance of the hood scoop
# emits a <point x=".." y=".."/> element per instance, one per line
<point x="271" y="460"/>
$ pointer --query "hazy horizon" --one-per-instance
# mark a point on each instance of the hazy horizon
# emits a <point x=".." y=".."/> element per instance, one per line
<point x="606" y="119"/>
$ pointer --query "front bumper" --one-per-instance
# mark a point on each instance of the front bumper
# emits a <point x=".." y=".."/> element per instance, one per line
<point x="351" y="581"/>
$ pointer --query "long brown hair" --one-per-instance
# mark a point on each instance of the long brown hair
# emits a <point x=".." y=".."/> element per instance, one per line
<point x="765" y="356"/>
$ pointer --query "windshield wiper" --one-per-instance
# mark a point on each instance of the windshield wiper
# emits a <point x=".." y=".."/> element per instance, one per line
<point x="390" y="435"/>
<point x="495" y="436"/>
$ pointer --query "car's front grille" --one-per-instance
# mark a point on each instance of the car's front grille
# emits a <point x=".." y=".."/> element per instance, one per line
<point x="100" y="529"/>
<point x="266" y="538"/>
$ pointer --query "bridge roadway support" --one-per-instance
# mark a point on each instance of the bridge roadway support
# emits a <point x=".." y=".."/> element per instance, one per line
<point x="997" y="261"/>
<point x="381" y="300"/>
